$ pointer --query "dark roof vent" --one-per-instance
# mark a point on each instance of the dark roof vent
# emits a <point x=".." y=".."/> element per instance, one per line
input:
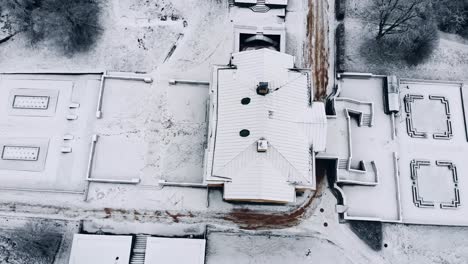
<point x="244" y="133"/>
<point x="262" y="88"/>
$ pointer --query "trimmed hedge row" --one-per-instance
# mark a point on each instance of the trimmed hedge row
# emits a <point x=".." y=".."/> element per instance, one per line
<point x="340" y="9"/>
<point x="340" y="42"/>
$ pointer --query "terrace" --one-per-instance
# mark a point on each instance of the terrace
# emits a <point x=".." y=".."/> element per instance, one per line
<point x="416" y="152"/>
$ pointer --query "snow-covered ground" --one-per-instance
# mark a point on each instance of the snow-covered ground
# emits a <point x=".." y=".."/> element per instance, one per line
<point x="29" y="240"/>
<point x="165" y="127"/>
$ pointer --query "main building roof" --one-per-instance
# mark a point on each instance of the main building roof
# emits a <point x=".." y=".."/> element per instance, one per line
<point x="286" y="118"/>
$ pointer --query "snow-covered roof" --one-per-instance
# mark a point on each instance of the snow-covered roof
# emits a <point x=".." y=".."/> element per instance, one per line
<point x="268" y="2"/>
<point x="276" y="2"/>
<point x="175" y="251"/>
<point x="292" y="124"/>
<point x="100" y="249"/>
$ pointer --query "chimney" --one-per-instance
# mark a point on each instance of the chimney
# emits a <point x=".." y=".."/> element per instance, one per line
<point x="262" y="145"/>
<point x="262" y="88"/>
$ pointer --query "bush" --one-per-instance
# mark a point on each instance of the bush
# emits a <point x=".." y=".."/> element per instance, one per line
<point x="419" y="43"/>
<point x="414" y="46"/>
<point x="451" y="15"/>
<point x="396" y="17"/>
<point x="71" y="25"/>
<point x="340" y="40"/>
<point x="370" y="232"/>
<point x="464" y="32"/>
<point x="340" y="9"/>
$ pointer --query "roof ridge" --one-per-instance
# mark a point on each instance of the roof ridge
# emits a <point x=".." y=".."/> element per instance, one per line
<point x="236" y="156"/>
<point x="292" y="166"/>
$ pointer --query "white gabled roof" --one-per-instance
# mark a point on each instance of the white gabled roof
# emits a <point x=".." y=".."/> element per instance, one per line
<point x="285" y="118"/>
<point x="268" y="2"/>
<point x="175" y="251"/>
<point x="257" y="177"/>
<point x="276" y="2"/>
<point x="315" y="126"/>
<point x="100" y="249"/>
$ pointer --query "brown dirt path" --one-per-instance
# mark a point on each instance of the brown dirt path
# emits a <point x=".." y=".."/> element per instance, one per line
<point x="243" y="218"/>
<point x="317" y="52"/>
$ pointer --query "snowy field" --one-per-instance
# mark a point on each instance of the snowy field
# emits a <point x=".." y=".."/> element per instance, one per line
<point x="243" y="248"/>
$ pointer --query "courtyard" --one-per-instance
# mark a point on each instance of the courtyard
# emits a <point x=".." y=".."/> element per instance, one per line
<point x="417" y="152"/>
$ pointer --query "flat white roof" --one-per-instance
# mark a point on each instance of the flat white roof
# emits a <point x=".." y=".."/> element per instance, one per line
<point x="100" y="249"/>
<point x="34" y="109"/>
<point x="175" y="251"/>
<point x="52" y="119"/>
<point x="268" y="2"/>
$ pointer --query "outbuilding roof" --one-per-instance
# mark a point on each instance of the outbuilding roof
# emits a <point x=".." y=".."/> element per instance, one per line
<point x="175" y="251"/>
<point x="100" y="249"/>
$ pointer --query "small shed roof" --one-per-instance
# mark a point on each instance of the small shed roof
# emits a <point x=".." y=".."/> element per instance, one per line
<point x="175" y="251"/>
<point x="268" y="2"/>
<point x="100" y="249"/>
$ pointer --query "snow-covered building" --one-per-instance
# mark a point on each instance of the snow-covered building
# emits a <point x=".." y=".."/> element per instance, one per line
<point x="262" y="24"/>
<point x="262" y="6"/>
<point x="264" y="128"/>
<point x="100" y="249"/>
<point x="110" y="249"/>
<point x="175" y="250"/>
<point x="267" y="2"/>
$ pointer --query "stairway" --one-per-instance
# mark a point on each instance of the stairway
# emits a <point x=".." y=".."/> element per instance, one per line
<point x="260" y="7"/>
<point x="343" y="164"/>
<point x="366" y="120"/>
<point x="139" y="250"/>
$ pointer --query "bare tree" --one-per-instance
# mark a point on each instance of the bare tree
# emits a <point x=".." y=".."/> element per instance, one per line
<point x="5" y="27"/>
<point x="72" y="25"/>
<point x="396" y="16"/>
<point x="406" y="30"/>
